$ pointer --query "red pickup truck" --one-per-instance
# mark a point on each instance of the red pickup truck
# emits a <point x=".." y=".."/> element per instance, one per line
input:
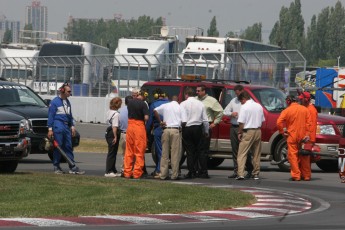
<point x="330" y="128"/>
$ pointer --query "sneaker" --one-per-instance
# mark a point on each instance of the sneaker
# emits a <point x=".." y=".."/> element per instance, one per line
<point x="118" y="174"/>
<point x="157" y="176"/>
<point x="111" y="174"/>
<point x="58" y="170"/>
<point x="239" y="178"/>
<point x="76" y="170"/>
<point x="154" y="173"/>
<point x="256" y="177"/>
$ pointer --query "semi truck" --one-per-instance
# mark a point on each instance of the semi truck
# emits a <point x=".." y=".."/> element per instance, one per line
<point x="17" y="62"/>
<point x="138" y="60"/>
<point x="220" y="58"/>
<point x="70" y="61"/>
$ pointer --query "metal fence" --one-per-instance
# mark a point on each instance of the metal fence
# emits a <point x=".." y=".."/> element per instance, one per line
<point x="98" y="76"/>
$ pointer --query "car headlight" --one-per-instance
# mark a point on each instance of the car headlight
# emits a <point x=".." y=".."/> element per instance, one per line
<point x="24" y="126"/>
<point x="325" y="130"/>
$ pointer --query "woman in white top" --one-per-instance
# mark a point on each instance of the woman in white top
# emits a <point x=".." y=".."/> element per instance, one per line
<point x="113" y="136"/>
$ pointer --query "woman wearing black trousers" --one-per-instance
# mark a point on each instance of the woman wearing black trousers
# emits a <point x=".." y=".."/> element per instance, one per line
<point x="112" y="137"/>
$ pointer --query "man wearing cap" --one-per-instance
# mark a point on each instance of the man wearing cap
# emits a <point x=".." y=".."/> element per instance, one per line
<point x="294" y="124"/>
<point x="305" y="101"/>
<point x="154" y="125"/>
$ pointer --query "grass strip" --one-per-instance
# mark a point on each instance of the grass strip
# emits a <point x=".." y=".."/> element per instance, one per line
<point x="36" y="194"/>
<point x="88" y="145"/>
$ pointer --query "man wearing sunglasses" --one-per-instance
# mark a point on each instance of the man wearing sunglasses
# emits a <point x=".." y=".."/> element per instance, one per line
<point x="61" y="127"/>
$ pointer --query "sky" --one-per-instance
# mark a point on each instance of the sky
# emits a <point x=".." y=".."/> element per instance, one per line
<point x="231" y="15"/>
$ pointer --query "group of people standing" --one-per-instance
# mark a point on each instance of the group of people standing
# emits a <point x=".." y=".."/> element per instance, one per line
<point x="187" y="126"/>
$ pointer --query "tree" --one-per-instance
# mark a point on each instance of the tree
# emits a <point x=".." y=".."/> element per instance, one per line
<point x="107" y="33"/>
<point x="27" y="35"/>
<point x="312" y="42"/>
<point x="335" y="30"/>
<point x="7" y="36"/>
<point x="231" y="34"/>
<point x="288" y="32"/>
<point x="253" y="33"/>
<point x="213" y="31"/>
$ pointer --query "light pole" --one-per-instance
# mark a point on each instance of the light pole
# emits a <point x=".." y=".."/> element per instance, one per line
<point x="338" y="62"/>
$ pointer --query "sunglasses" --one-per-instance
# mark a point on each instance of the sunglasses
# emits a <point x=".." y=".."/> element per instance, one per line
<point x="69" y="91"/>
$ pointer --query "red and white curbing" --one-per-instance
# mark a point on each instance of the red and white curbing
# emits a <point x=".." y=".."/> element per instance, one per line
<point x="269" y="203"/>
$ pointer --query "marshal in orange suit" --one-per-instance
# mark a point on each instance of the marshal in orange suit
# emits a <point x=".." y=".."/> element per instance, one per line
<point x="295" y="123"/>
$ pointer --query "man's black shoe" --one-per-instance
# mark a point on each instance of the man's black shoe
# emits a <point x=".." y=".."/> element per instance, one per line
<point x="248" y="176"/>
<point x="204" y="176"/>
<point x="232" y="176"/>
<point x="190" y="175"/>
<point x="239" y="178"/>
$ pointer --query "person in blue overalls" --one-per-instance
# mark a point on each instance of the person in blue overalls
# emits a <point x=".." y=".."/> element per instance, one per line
<point x="61" y="127"/>
<point x="160" y="98"/>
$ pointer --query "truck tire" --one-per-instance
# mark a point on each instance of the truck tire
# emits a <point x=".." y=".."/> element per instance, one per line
<point x="328" y="165"/>
<point x="280" y="154"/>
<point x="214" y="162"/>
<point x="8" y="166"/>
<point x="154" y="156"/>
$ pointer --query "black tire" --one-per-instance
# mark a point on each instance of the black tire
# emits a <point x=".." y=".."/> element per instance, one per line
<point x="214" y="162"/>
<point x="8" y="166"/>
<point x="328" y="165"/>
<point x="154" y="156"/>
<point x="280" y="154"/>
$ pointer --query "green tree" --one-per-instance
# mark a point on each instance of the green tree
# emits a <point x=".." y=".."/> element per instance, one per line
<point x="253" y="32"/>
<point x="7" y="36"/>
<point x="288" y="32"/>
<point x="107" y="33"/>
<point x="231" y="34"/>
<point x="213" y="31"/>
<point x="27" y="35"/>
<point x="335" y="30"/>
<point x="312" y="42"/>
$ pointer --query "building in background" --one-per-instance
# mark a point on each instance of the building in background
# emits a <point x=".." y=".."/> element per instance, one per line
<point x="13" y="26"/>
<point x="37" y="16"/>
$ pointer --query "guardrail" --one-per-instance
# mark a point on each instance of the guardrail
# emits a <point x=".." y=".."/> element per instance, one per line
<point x="99" y="76"/>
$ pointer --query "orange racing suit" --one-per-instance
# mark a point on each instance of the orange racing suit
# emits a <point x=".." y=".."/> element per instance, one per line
<point x="297" y="122"/>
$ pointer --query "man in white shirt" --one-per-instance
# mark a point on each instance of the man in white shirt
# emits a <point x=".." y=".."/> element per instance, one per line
<point x="249" y="133"/>
<point x="232" y="110"/>
<point x="194" y="125"/>
<point x="171" y="137"/>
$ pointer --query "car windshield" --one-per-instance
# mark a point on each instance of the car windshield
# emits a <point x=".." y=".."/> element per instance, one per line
<point x="168" y="90"/>
<point x="19" y="95"/>
<point x="271" y="98"/>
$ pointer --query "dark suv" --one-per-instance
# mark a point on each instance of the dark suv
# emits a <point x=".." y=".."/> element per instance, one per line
<point x="23" y="102"/>
<point x="14" y="145"/>
<point x="329" y="128"/>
